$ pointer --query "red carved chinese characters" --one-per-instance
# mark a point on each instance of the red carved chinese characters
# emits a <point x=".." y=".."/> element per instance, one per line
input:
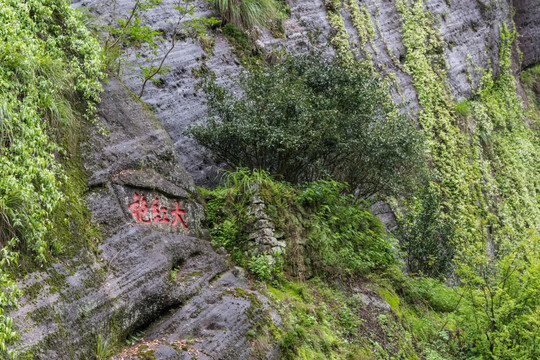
<point x="164" y="218"/>
<point x="155" y="211"/>
<point x="178" y="215"/>
<point x="159" y="214"/>
<point x="143" y="210"/>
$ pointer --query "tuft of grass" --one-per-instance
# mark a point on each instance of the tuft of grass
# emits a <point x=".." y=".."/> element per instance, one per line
<point x="103" y="350"/>
<point x="464" y="108"/>
<point x="246" y="14"/>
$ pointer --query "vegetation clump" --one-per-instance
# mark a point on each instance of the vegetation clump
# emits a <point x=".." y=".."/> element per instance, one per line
<point x="309" y="118"/>
<point x="329" y="234"/>
<point x="335" y="247"/>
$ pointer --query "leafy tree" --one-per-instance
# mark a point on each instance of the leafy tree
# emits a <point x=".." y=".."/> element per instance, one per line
<point x="309" y="118"/>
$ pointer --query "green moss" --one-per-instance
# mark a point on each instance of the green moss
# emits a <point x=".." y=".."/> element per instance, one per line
<point x="464" y="108"/>
<point x="145" y="353"/>
<point x="49" y="84"/>
<point x="33" y="291"/>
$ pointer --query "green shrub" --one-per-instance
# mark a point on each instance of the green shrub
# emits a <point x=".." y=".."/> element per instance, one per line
<point x="501" y="314"/>
<point x="464" y="108"/>
<point x="261" y="266"/>
<point x="246" y="52"/>
<point x="344" y="239"/>
<point x="427" y="242"/>
<point x="236" y="35"/>
<point x="308" y="118"/>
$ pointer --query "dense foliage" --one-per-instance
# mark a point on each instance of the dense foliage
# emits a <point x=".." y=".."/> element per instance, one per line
<point x="328" y="233"/>
<point x="478" y="216"/>
<point x="334" y="246"/>
<point x="308" y="118"/>
<point x="344" y="238"/>
<point x="50" y="68"/>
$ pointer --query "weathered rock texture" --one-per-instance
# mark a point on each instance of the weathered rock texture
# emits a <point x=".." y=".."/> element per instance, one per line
<point x="140" y="271"/>
<point x="263" y="236"/>
<point x="470" y="30"/>
<point x="126" y="283"/>
<point x="528" y="25"/>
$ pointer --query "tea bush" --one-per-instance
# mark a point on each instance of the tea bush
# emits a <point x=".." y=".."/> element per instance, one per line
<point x="308" y="118"/>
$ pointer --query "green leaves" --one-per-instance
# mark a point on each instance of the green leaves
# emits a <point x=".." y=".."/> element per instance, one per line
<point x="261" y="266"/>
<point x="345" y="239"/>
<point x="309" y="118"/>
<point x="340" y="237"/>
<point x="247" y="14"/>
<point x="50" y="70"/>
<point x="503" y="302"/>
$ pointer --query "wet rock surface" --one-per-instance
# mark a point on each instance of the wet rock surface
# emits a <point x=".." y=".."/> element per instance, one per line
<point x="145" y="268"/>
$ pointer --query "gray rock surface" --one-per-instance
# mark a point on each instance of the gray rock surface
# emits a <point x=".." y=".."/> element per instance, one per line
<point x="216" y="322"/>
<point x="470" y="30"/>
<point x="528" y="25"/>
<point x="140" y="271"/>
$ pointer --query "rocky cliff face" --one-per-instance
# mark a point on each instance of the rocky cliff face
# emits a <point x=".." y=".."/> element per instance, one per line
<point x="153" y="260"/>
<point x="470" y="30"/>
<point x="527" y="20"/>
<point x="154" y="269"/>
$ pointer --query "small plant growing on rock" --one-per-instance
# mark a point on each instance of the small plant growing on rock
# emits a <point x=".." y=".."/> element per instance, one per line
<point x="130" y="32"/>
<point x="174" y="273"/>
<point x="261" y="266"/>
<point x="103" y="350"/>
